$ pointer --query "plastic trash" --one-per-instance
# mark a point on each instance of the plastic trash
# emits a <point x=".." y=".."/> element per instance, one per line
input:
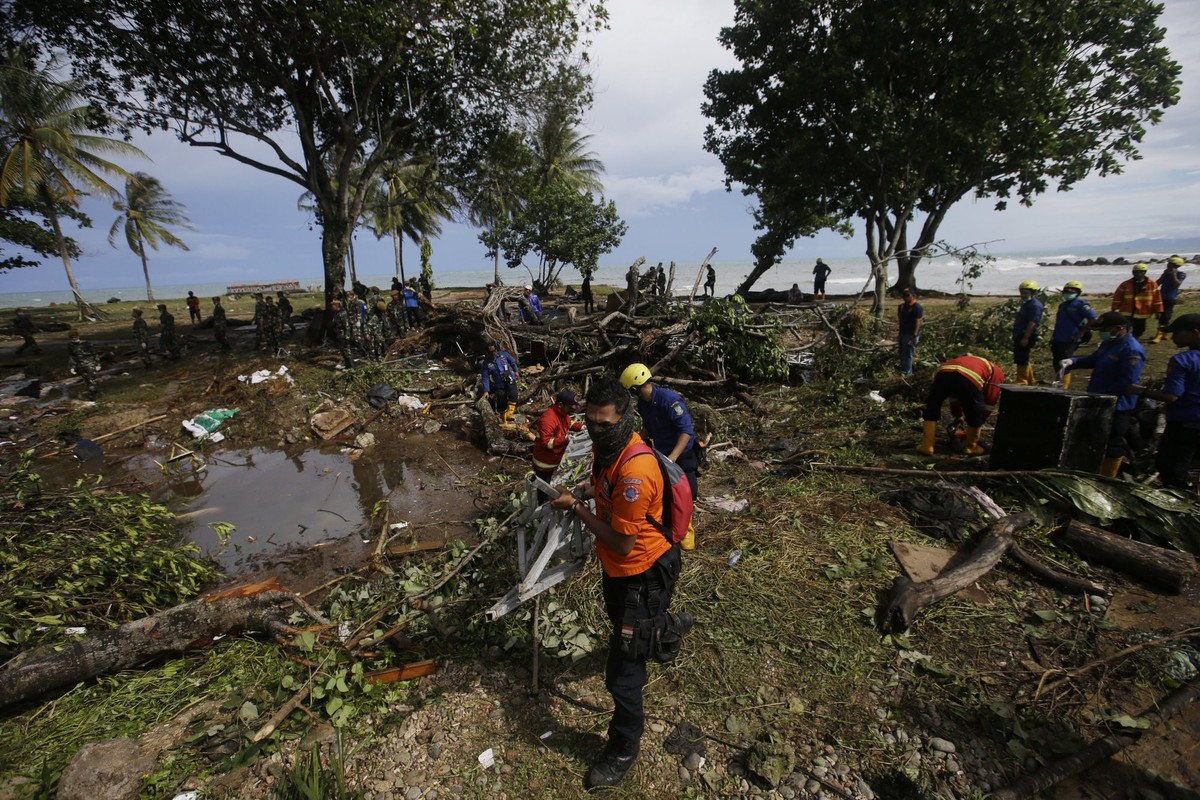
<point x="734" y="557"/>
<point x="876" y="396"/>
<point x="487" y="758"/>
<point x="204" y="426"/>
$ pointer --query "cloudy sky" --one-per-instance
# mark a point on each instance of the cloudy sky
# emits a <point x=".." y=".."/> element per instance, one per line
<point x="647" y="128"/>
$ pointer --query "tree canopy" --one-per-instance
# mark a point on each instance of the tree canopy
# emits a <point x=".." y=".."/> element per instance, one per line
<point x="563" y="227"/>
<point x="312" y="91"/>
<point x="893" y="112"/>
<point x="19" y="225"/>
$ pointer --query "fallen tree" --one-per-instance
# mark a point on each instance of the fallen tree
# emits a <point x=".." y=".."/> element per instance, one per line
<point x="256" y="607"/>
<point x="898" y="606"/>
<point x="1166" y="569"/>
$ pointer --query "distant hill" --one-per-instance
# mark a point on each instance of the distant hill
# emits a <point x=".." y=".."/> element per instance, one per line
<point x="1191" y="245"/>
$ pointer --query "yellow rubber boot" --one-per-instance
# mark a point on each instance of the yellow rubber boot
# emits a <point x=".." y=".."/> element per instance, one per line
<point x="971" y="445"/>
<point x="1020" y="381"/>
<point x="928" y="438"/>
<point x="1111" y="466"/>
<point x="689" y="542"/>
<point x="1158" y="337"/>
<point x="508" y="413"/>
<point x="1029" y="379"/>
<point x="1067" y="381"/>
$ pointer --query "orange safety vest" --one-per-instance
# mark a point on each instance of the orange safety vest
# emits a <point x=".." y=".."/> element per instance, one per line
<point x="1141" y="304"/>
<point x="981" y="372"/>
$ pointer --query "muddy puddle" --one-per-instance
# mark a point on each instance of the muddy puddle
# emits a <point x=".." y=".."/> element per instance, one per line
<point x="252" y="507"/>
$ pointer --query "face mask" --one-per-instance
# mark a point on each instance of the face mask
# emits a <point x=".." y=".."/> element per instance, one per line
<point x="1105" y="336"/>
<point x="1069" y="296"/>
<point x="609" y="443"/>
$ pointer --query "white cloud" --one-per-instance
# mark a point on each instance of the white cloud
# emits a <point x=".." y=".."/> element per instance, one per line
<point x="641" y="195"/>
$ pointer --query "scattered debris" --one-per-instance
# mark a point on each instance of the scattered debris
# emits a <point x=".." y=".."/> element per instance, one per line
<point x="204" y="426"/>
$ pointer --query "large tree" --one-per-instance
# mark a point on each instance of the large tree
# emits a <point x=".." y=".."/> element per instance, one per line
<point x="562" y="227"/>
<point x="50" y="153"/>
<point x="893" y="112"/>
<point x="312" y="90"/>
<point x="145" y="213"/>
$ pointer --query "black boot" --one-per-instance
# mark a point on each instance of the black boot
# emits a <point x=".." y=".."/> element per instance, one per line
<point x="614" y="762"/>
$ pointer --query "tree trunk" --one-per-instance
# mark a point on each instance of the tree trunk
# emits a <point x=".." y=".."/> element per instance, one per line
<point x="1163" y="568"/>
<point x="396" y="244"/>
<point x="333" y="256"/>
<point x="52" y="214"/>
<point x="496" y="267"/>
<point x="146" y="272"/>
<point x="899" y="605"/>
<point x="350" y="261"/>
<point x="1097" y="751"/>
<point x="176" y="630"/>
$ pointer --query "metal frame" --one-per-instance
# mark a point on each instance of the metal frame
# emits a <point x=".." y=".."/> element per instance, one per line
<point x="552" y="545"/>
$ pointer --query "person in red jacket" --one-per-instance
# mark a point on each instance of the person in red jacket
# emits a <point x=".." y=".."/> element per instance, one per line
<point x="972" y="384"/>
<point x="553" y="427"/>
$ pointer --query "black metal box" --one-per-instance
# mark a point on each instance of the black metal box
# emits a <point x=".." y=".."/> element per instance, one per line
<point x="1044" y="428"/>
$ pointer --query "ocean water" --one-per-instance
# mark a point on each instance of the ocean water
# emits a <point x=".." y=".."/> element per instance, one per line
<point x="850" y="275"/>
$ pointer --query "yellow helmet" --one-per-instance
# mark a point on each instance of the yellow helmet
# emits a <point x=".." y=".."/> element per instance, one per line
<point x="1030" y="285"/>
<point x="635" y="375"/>
<point x="1076" y="285"/>
<point x="1140" y="267"/>
<point x="1176" y="260"/>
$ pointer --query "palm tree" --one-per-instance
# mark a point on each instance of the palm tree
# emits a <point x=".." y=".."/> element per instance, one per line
<point x="498" y="189"/>
<point x="46" y="147"/>
<point x="559" y="152"/>
<point x="146" y="210"/>
<point x="408" y="201"/>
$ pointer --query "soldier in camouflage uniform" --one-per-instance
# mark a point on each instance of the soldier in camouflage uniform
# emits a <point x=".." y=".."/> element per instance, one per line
<point x="141" y="335"/>
<point x="375" y="330"/>
<point x="167" y="339"/>
<point x="270" y="324"/>
<point x="23" y="327"/>
<point x="84" y="361"/>
<point x="220" y="324"/>
<point x="343" y="331"/>
<point x="396" y="314"/>
<point x="259" y="333"/>
<point x="285" y="313"/>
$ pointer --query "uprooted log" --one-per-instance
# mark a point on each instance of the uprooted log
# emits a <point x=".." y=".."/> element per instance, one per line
<point x="898" y="606"/>
<point x="1093" y="754"/>
<point x="1166" y="569"/>
<point x="258" y="607"/>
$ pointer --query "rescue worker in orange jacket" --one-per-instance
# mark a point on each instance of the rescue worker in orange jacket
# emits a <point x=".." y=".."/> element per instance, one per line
<point x="1138" y="299"/>
<point x="972" y="384"/>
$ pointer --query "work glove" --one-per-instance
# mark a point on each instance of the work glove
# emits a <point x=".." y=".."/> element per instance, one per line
<point x="1062" y="365"/>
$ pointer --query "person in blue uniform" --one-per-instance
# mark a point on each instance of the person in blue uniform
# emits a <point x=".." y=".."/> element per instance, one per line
<point x="1071" y="324"/>
<point x="499" y="374"/>
<point x="911" y="316"/>
<point x="668" y="426"/>
<point x="1181" y="393"/>
<point x="1116" y="367"/>
<point x="1025" y="330"/>
<point x="1168" y="286"/>
<point x="530" y="306"/>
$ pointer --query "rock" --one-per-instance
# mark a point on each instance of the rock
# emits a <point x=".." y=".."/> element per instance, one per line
<point x="952" y="766"/>
<point x="941" y="745"/>
<point x="432" y="426"/>
<point x="108" y="770"/>
<point x="413" y="793"/>
<point x="693" y="762"/>
<point x="435" y="750"/>
<point x="812" y="787"/>
<point x="364" y="440"/>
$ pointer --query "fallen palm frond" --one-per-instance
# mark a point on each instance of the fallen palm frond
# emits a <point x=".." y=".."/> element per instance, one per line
<point x="1162" y="515"/>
